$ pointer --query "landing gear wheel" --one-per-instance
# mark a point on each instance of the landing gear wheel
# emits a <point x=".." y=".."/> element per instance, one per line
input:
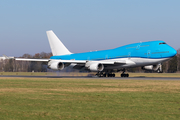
<point x="113" y="75"/>
<point x="110" y="75"/>
<point x="124" y="75"/>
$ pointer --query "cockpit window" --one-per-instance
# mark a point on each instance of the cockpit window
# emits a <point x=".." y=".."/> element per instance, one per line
<point x="162" y="43"/>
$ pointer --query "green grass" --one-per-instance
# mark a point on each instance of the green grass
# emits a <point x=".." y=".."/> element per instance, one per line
<point x="49" y="98"/>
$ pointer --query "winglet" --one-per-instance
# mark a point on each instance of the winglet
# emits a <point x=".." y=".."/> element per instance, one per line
<point x="57" y="47"/>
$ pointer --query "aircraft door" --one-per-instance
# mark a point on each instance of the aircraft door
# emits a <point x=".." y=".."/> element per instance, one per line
<point x="138" y="46"/>
<point x="129" y="55"/>
<point x="135" y="51"/>
<point x="106" y="57"/>
<point x="148" y="53"/>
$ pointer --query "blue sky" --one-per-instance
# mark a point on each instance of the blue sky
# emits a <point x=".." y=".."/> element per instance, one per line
<point x="86" y="25"/>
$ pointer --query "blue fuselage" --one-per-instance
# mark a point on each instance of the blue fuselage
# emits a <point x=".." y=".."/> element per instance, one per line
<point x="150" y="50"/>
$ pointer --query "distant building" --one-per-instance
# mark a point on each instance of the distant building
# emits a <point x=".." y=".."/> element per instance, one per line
<point x="5" y="57"/>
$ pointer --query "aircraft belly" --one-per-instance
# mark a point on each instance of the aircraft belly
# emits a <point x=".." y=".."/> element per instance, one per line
<point x="148" y="61"/>
<point x="138" y="62"/>
<point x="130" y="62"/>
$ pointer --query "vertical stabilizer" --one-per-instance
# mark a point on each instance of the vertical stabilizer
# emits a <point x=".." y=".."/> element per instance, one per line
<point x="57" y="47"/>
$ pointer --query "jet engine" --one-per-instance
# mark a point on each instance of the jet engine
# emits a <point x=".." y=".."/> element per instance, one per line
<point x="55" y="65"/>
<point x="156" y="68"/>
<point x="93" y="66"/>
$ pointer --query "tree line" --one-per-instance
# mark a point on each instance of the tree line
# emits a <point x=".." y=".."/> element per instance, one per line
<point x="10" y="65"/>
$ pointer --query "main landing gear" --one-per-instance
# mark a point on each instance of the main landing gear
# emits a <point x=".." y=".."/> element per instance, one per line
<point x="123" y="74"/>
<point x="111" y="74"/>
<point x="101" y="74"/>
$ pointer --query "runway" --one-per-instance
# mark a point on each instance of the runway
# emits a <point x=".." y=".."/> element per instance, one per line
<point x="91" y="77"/>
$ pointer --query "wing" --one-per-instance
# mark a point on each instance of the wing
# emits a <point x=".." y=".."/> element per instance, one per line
<point x="38" y="60"/>
<point x="72" y="61"/>
<point x="47" y="60"/>
<point x="81" y="64"/>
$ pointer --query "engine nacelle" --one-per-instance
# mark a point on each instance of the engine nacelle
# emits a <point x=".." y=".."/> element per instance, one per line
<point x="93" y="66"/>
<point x="55" y="65"/>
<point x="156" y="68"/>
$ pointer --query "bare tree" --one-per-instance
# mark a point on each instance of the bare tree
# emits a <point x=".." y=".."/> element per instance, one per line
<point x="178" y="59"/>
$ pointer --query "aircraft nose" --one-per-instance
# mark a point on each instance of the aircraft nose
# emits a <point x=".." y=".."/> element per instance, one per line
<point x="173" y="52"/>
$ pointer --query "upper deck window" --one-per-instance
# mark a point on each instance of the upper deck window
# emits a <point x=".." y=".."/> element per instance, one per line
<point x="162" y="43"/>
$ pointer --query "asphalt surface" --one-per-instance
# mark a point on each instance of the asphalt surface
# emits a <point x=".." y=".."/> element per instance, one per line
<point x="92" y="77"/>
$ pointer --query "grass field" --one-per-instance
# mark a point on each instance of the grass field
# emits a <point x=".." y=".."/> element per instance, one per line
<point x="110" y="99"/>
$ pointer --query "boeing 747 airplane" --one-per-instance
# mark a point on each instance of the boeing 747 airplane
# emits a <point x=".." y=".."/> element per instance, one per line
<point x="148" y="55"/>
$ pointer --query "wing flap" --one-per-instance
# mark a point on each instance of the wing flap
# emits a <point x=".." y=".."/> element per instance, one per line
<point x="120" y="62"/>
<point x="83" y="61"/>
<point x="70" y="61"/>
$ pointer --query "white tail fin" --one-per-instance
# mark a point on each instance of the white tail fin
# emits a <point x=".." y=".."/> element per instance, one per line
<point x="57" y="47"/>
